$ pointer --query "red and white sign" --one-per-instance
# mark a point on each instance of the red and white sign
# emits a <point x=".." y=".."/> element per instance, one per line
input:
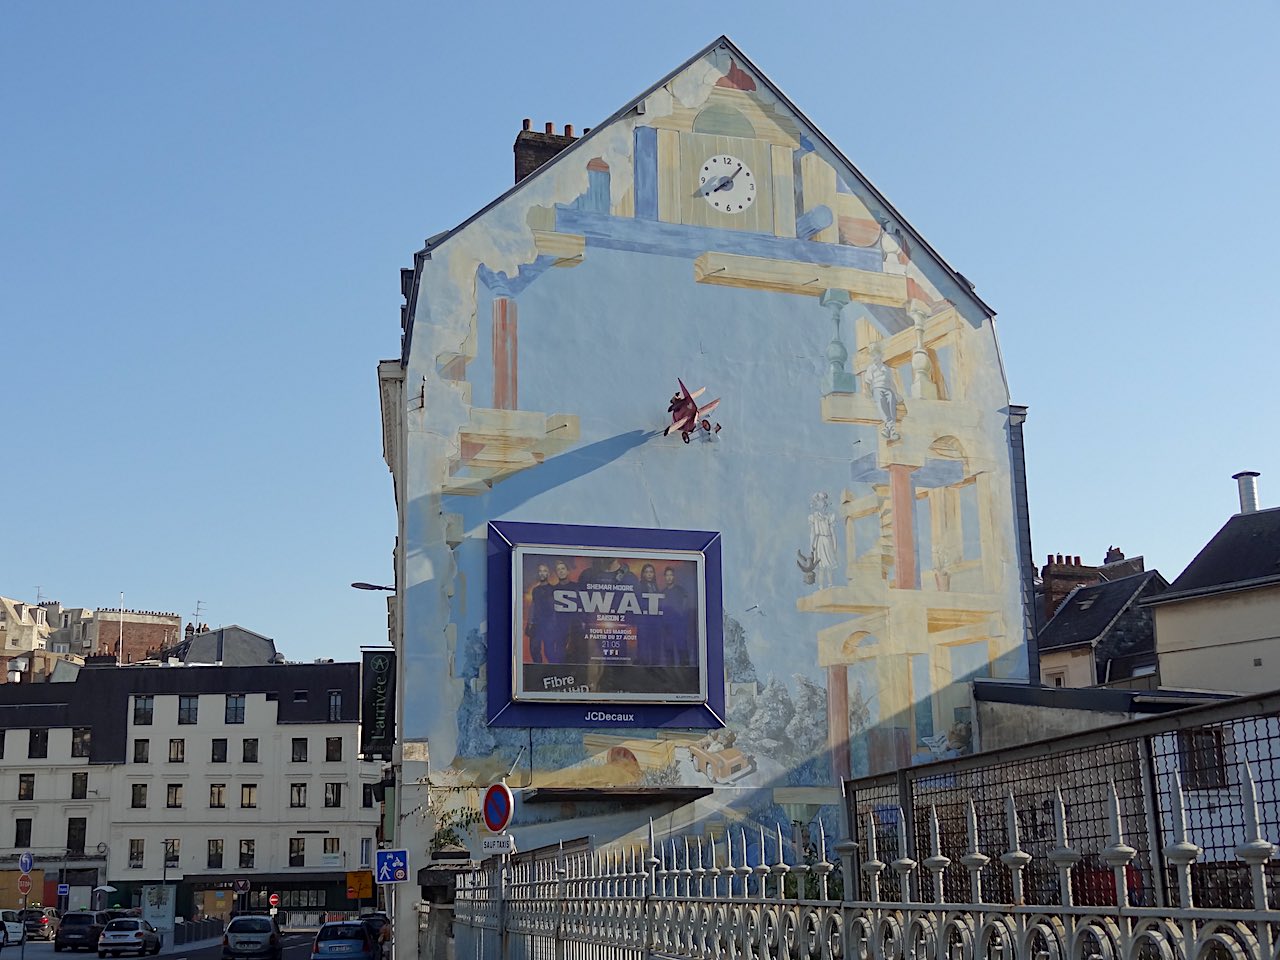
<point x="498" y="806"/>
<point x="274" y="899"/>
<point x="24" y="884"/>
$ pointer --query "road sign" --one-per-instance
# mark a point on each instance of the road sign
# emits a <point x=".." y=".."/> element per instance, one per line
<point x="502" y="843"/>
<point x="274" y="899"/>
<point x="359" y="885"/>
<point x="64" y="889"/>
<point x="351" y="893"/>
<point x="24" y="884"/>
<point x="498" y="806"/>
<point x="392" y="866"/>
<point x="26" y="861"/>
<point x="242" y="886"/>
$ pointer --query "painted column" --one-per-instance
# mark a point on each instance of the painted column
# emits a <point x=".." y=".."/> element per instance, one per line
<point x="906" y="576"/>
<point x="838" y="720"/>
<point x="505" y="354"/>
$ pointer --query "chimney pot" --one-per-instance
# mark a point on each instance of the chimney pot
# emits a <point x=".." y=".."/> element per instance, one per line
<point x="527" y="122"/>
<point x="1059" y="559"/>
<point x="1247" y="481"/>
<point x="568" y="129"/>
<point x="1075" y="561"/>
<point x="551" y="128"/>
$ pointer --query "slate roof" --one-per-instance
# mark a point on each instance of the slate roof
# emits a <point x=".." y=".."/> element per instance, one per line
<point x="1244" y="553"/>
<point x="1088" y="612"/>
<point x="233" y="646"/>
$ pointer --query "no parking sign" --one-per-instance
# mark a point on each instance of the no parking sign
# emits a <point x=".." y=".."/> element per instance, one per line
<point x="498" y="806"/>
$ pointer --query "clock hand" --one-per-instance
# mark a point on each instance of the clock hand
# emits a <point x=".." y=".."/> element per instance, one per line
<point x="728" y="181"/>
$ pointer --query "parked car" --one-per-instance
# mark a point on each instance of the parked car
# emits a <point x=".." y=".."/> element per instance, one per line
<point x="252" y="936"/>
<point x="79" y="930"/>
<point x="41" y="922"/>
<point x="12" y="928"/>
<point x="126" y="935"/>
<point x="375" y="920"/>
<point x="344" y="940"/>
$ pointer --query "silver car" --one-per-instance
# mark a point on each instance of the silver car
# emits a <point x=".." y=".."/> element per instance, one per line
<point x="128" y="936"/>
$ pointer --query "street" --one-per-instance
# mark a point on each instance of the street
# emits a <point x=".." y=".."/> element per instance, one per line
<point x="296" y="947"/>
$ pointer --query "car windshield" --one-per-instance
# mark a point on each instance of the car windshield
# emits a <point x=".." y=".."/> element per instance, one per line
<point x="32" y="914"/>
<point x="123" y="925"/>
<point x="78" y="920"/>
<point x="341" y="931"/>
<point x="249" y="925"/>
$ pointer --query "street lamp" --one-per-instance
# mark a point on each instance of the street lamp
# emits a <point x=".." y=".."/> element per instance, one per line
<point x="361" y="585"/>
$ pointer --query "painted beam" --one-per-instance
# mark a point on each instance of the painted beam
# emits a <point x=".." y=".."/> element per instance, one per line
<point x="806" y="278"/>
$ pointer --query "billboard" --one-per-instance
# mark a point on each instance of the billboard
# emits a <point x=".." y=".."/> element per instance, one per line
<point x="377" y="703"/>
<point x="591" y="625"/>
<point x="601" y="625"/>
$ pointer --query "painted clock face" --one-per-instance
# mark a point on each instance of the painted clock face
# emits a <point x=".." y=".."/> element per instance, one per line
<point x="726" y="183"/>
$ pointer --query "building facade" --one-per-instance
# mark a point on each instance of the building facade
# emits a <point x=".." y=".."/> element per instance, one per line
<point x="855" y="502"/>
<point x="188" y="776"/>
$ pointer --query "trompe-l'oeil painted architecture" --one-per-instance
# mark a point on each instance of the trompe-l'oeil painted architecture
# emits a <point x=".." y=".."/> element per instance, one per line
<point x="791" y="588"/>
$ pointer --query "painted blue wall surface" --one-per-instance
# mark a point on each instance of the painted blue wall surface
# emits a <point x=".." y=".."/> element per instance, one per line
<point x="861" y="482"/>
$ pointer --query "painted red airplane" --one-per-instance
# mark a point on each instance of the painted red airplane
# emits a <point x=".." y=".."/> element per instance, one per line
<point x="687" y="416"/>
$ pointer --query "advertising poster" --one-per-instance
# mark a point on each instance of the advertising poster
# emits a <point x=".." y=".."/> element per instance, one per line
<point x="608" y="625"/>
<point x="377" y="704"/>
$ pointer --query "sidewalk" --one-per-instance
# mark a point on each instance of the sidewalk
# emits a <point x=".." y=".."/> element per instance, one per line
<point x="168" y="948"/>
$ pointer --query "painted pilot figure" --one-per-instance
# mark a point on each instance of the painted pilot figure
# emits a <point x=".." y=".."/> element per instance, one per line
<point x="540" y="627"/>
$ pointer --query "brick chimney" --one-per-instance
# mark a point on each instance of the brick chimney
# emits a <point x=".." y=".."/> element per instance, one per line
<point x="1060" y="575"/>
<point x="533" y="149"/>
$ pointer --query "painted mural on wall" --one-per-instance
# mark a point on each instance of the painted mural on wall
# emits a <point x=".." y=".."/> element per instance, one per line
<point x="861" y="480"/>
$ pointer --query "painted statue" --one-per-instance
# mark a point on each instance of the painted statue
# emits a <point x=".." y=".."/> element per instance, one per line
<point x="822" y="539"/>
<point x="879" y="380"/>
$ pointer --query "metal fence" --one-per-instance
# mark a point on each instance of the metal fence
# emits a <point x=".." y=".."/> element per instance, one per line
<point x="1142" y="842"/>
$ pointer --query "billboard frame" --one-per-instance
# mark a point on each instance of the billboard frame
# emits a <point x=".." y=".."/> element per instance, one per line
<point x="504" y="537"/>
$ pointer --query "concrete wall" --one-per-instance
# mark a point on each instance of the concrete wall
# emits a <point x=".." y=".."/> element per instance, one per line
<point x="1003" y="725"/>
<point x="1228" y="642"/>
<point x="861" y="483"/>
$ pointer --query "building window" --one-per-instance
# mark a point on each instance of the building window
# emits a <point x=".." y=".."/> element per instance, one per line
<point x="299" y="749"/>
<point x="219" y="752"/>
<point x="246" y="854"/>
<point x="332" y="748"/>
<point x="214" y="860"/>
<point x="173" y="796"/>
<point x="366" y="796"/>
<point x="248" y="795"/>
<point x="297" y="794"/>
<point x="333" y="794"/>
<point x="235" y="708"/>
<point x="177" y="751"/>
<point x="26" y="786"/>
<point x="80" y="741"/>
<point x="366" y="851"/>
<point x="79" y="786"/>
<point x="299" y="696"/>
<point x="135" y="854"/>
<point x="172" y="851"/>
<point x="217" y="795"/>
<point x="139" y="791"/>
<point x="188" y="709"/>
<point x="143" y="710"/>
<point x="76" y="827"/>
<point x="335" y="705"/>
<point x="38" y="745"/>
<point x="22" y="832"/>
<point x="142" y="751"/>
<point x="250" y="750"/>
<point x="1202" y="758"/>
<point x="297" y="851"/>
<point x="332" y="845"/>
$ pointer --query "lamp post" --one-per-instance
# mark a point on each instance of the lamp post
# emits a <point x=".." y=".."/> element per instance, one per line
<point x="361" y="585"/>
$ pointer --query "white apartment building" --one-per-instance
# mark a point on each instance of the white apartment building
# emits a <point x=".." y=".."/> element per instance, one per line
<point x="192" y="776"/>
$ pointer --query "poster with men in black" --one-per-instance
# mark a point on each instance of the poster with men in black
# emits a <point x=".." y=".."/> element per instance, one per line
<point x="594" y="625"/>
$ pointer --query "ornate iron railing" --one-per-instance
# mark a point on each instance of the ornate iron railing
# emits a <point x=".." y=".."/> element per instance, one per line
<point x="972" y="877"/>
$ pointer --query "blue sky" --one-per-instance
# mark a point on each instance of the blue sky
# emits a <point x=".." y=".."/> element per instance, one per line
<point x="204" y="209"/>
